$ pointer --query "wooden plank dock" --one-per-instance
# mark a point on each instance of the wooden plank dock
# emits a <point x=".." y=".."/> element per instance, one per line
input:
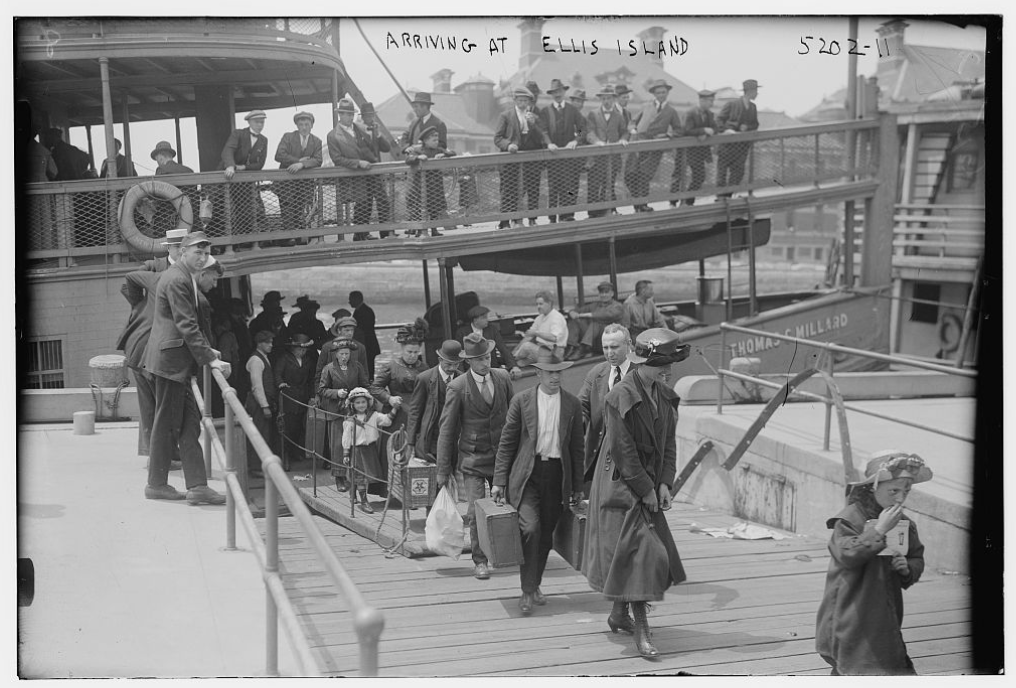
<point x="747" y="608"/>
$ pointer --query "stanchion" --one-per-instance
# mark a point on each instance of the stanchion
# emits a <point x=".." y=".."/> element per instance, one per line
<point x="206" y="390"/>
<point x="230" y="470"/>
<point x="271" y="566"/>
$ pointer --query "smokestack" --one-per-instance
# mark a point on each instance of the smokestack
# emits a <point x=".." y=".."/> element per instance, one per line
<point x="531" y="46"/>
<point x="477" y="94"/>
<point x="442" y="81"/>
<point x="652" y="37"/>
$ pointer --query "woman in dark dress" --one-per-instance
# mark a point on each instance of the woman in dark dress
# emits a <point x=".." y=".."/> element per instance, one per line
<point x="630" y="555"/>
<point x="337" y="379"/>
<point x="294" y="377"/>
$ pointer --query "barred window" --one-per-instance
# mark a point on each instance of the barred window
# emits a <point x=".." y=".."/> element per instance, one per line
<point x="45" y="365"/>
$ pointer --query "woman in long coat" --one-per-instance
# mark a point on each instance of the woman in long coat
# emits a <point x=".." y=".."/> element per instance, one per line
<point x="294" y="377"/>
<point x="338" y="378"/>
<point x="629" y="554"/>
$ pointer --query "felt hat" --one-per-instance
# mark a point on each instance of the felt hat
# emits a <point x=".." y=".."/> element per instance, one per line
<point x="306" y="302"/>
<point x="193" y="239"/>
<point x="659" y="83"/>
<point x="367" y="109"/>
<point x="422" y="97"/>
<point x="345" y="105"/>
<point x="255" y="114"/>
<point x="605" y="286"/>
<point x="556" y="85"/>
<point x="348" y="321"/>
<point x="476" y="312"/>
<point x="428" y="131"/>
<point x="533" y="88"/>
<point x="523" y="92"/>
<point x="450" y="350"/>
<point x="607" y="90"/>
<point x="343" y="344"/>
<point x="272" y="297"/>
<point x="263" y="336"/>
<point x="887" y="464"/>
<point x="303" y="115"/>
<point x="706" y="93"/>
<point x="658" y="347"/>
<point x="546" y="360"/>
<point x="163" y="147"/>
<point x="300" y="340"/>
<point x="621" y="89"/>
<point x="175" y="236"/>
<point x="749" y="85"/>
<point x="578" y="95"/>
<point x="475" y="345"/>
<point x="340" y="313"/>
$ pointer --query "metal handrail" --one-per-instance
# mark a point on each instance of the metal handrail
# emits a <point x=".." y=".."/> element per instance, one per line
<point x="368" y="622"/>
<point x="831" y="348"/>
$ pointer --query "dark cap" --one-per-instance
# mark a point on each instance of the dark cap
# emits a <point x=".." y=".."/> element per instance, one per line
<point x="604" y="286"/>
<point x="476" y="312"/>
<point x="263" y="336"/>
<point x="706" y="93"/>
<point x="193" y="239"/>
<point x="272" y="297"/>
<point x="347" y="321"/>
<point x="306" y="302"/>
<point x="303" y="115"/>
<point x="749" y="84"/>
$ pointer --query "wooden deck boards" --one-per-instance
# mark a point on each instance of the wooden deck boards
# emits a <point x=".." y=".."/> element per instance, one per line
<point x="748" y="608"/>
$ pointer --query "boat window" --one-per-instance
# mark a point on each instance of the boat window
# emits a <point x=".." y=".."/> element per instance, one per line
<point x="45" y="365"/>
<point x="925" y="312"/>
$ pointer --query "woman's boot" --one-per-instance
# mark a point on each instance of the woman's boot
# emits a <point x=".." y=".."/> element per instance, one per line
<point x="364" y="504"/>
<point x="619" y="620"/>
<point x="643" y="643"/>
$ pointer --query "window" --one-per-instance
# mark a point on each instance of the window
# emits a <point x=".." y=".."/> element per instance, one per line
<point x="776" y="251"/>
<point x="790" y="254"/>
<point x="925" y="312"/>
<point x="45" y="365"/>
<point x="816" y="253"/>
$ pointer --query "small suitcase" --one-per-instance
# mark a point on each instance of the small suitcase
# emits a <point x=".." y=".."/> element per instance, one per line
<point x="498" y="532"/>
<point x="570" y="534"/>
<point x="417" y="482"/>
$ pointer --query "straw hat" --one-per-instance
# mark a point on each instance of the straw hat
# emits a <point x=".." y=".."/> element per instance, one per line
<point x="888" y="464"/>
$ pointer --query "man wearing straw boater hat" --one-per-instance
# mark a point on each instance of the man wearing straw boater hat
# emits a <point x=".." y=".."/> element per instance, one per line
<point x="566" y="128"/>
<point x="172" y="244"/>
<point x="471" y="423"/>
<point x="737" y="116"/>
<point x="539" y="467"/>
<point x="298" y="150"/>
<point x="656" y="120"/>
<point x="428" y="399"/>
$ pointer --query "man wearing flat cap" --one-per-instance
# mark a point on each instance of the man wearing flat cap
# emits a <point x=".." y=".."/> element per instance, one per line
<point x="566" y="128"/>
<point x="519" y="129"/>
<point x="298" y="150"/>
<point x="657" y="119"/>
<point x="585" y="324"/>
<point x="736" y="116"/>
<point x="471" y="423"/>
<point x="538" y="468"/>
<point x="700" y="123"/>
<point x="349" y="147"/>
<point x="246" y="149"/>
<point x="423" y="424"/>
<point x="607" y="125"/>
<point x="479" y="322"/>
<point x="176" y="349"/>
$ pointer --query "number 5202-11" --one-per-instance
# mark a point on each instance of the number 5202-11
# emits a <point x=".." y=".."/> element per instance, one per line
<point x="834" y="47"/>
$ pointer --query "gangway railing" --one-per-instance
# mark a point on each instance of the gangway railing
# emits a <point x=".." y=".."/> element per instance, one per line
<point x="368" y="622"/>
<point x="831" y="401"/>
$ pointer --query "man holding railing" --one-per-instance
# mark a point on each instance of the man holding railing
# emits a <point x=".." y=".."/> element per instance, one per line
<point x="606" y="125"/>
<point x="736" y="116"/>
<point x="656" y="120"/>
<point x="298" y="150"/>
<point x="700" y="123"/>
<point x="519" y="129"/>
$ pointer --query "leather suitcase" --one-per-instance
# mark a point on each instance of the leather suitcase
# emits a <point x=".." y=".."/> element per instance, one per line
<point x="570" y="534"/>
<point x="418" y="482"/>
<point x="498" y="532"/>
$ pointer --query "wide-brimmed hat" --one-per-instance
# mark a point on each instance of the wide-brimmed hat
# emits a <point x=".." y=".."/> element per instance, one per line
<point x="476" y="312"/>
<point x="578" y="95"/>
<point x="887" y="464"/>
<point x="367" y="109"/>
<point x="749" y="84"/>
<point x="306" y="302"/>
<point x="659" y="83"/>
<point x="345" y="105"/>
<point x="263" y="336"/>
<point x="175" y="236"/>
<point x="533" y="88"/>
<point x="300" y="340"/>
<point x="523" y="92"/>
<point x="422" y="97"/>
<point x="343" y="344"/>
<point x="607" y="90"/>
<point x="255" y="114"/>
<point x="272" y="297"/>
<point x="706" y="93"/>
<point x="163" y="147"/>
<point x="658" y="347"/>
<point x="193" y="239"/>
<point x="556" y="85"/>
<point x="303" y="115"/>
<point x="475" y="345"/>
<point x="621" y="89"/>
<point x="450" y="350"/>
<point x="546" y="360"/>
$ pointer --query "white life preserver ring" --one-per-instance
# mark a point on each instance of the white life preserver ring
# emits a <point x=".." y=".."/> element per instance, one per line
<point x="151" y="188"/>
<point x="950" y="329"/>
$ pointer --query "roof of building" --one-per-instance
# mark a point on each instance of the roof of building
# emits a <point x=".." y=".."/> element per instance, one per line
<point x="449" y="108"/>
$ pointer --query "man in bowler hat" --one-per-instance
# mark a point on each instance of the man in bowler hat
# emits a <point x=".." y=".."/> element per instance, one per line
<point x="737" y="116"/>
<point x="430" y="390"/>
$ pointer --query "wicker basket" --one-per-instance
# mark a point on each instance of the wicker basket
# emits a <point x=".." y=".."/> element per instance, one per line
<point x="108" y="370"/>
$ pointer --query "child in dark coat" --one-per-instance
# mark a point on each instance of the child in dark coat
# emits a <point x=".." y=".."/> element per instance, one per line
<point x="858" y="630"/>
<point x="430" y="183"/>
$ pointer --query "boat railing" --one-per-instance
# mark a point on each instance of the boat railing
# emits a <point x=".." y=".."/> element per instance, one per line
<point x="368" y="622"/>
<point x="943" y="231"/>
<point x="833" y="400"/>
<point x="69" y="220"/>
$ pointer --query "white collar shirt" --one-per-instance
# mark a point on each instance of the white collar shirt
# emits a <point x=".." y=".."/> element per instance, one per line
<point x="548" y="418"/>
<point x="612" y="373"/>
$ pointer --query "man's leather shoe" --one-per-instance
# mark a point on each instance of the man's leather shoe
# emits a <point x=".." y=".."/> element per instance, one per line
<point x="481" y="572"/>
<point x="539" y="598"/>
<point x="202" y="494"/>
<point x="526" y="603"/>
<point x="163" y="492"/>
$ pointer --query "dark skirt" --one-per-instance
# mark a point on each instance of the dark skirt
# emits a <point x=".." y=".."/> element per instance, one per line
<point x="367" y="462"/>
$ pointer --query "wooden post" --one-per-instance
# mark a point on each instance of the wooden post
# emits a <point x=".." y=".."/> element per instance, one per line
<point x="578" y="274"/>
<point x="612" y="248"/>
<point x="968" y="313"/>
<point x="179" y="140"/>
<point x="426" y="287"/>
<point x="848" y="240"/>
<point x="876" y="251"/>
<point x="560" y="289"/>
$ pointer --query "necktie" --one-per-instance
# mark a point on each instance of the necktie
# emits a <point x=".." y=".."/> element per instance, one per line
<point x="617" y="376"/>
<point x="486" y="393"/>
<point x="657" y="106"/>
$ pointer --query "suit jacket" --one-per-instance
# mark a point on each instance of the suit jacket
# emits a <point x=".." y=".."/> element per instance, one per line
<point x="516" y="452"/>
<point x="472" y="427"/>
<point x="649" y="123"/>
<point x="563" y="127"/>
<point x="347" y="151"/>
<point x="606" y="131"/>
<point x="594" y="389"/>
<point x="239" y="151"/>
<point x="696" y="121"/>
<point x="425" y="405"/>
<point x="290" y="151"/>
<point x="173" y="167"/>
<point x="139" y="290"/>
<point x="122" y="168"/>
<point x="176" y="346"/>
<point x="411" y="136"/>
<point x="492" y="332"/>
<point x="735" y="113"/>
<point x="509" y="131"/>
<point x="365" y="334"/>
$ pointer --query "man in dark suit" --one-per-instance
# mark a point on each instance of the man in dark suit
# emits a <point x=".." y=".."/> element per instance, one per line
<point x="736" y="116"/>
<point x="601" y="379"/>
<point x="656" y="120"/>
<point x="349" y="146"/>
<point x="139" y="290"/>
<point x="606" y="125"/>
<point x="423" y="423"/>
<point x="700" y="123"/>
<point x="163" y="156"/>
<point x="365" y="322"/>
<point x="478" y="322"/>
<point x="298" y="150"/>
<point x="424" y="120"/>
<point x="246" y="149"/>
<point x="519" y="129"/>
<point x="123" y="167"/>
<point x="471" y="423"/>
<point x="376" y="194"/>
<point x="539" y="467"/>
<point x="566" y="128"/>
<point x="176" y="349"/>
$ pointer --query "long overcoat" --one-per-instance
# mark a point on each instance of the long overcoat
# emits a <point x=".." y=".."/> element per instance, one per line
<point x="638" y="454"/>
